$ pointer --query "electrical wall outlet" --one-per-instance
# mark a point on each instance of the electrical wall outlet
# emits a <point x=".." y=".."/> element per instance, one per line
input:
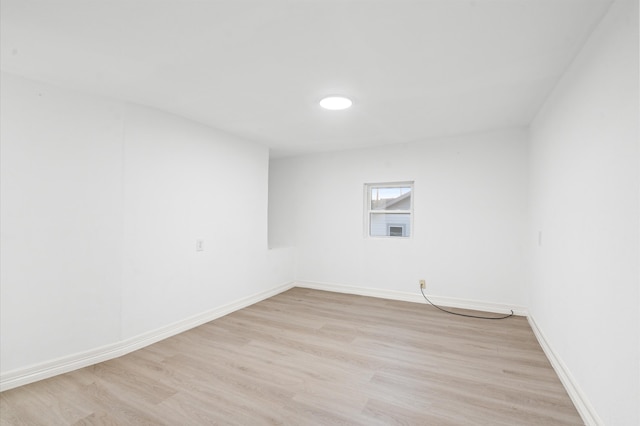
<point x="423" y="284"/>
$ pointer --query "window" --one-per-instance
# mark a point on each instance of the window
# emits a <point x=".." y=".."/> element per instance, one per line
<point x="388" y="209"/>
<point x="396" y="230"/>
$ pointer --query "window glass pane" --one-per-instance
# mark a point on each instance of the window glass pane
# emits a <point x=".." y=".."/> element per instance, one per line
<point x="389" y="225"/>
<point x="390" y="198"/>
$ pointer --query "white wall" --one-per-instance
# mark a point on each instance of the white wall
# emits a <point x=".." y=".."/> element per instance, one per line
<point x="584" y="186"/>
<point x="185" y="182"/>
<point x="61" y="222"/>
<point x="102" y="203"/>
<point x="470" y="207"/>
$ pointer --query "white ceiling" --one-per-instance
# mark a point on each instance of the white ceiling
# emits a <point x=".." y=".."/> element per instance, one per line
<point x="414" y="69"/>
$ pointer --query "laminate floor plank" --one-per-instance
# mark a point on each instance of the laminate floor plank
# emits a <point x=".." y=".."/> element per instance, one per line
<point x="309" y="357"/>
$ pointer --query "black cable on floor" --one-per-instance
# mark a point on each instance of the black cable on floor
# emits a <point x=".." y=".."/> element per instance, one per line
<point x="462" y="315"/>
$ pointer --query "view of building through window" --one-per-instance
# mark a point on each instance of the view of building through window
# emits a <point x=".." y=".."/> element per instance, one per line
<point x="389" y="209"/>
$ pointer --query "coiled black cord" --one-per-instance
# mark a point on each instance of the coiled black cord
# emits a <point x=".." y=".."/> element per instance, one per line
<point x="462" y="315"/>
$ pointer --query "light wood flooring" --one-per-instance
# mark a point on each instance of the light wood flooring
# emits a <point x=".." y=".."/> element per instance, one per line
<point x="308" y="357"/>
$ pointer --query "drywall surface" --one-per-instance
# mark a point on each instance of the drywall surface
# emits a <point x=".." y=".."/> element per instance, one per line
<point x="584" y="186"/>
<point x="186" y="182"/>
<point x="470" y="216"/>
<point x="102" y="204"/>
<point x="61" y="207"/>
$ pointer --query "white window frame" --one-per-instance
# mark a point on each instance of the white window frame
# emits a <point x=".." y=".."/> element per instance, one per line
<point x="368" y="211"/>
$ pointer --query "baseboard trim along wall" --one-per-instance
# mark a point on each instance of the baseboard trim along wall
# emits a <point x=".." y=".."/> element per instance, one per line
<point x="23" y="376"/>
<point x="14" y="378"/>
<point x="584" y="407"/>
<point x="416" y="297"/>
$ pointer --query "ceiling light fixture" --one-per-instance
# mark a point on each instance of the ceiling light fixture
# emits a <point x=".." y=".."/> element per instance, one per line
<point x="335" y="103"/>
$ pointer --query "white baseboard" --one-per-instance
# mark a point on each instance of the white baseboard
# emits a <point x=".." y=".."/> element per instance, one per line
<point x="23" y="376"/>
<point x="416" y="297"/>
<point x="584" y="407"/>
<point x="579" y="399"/>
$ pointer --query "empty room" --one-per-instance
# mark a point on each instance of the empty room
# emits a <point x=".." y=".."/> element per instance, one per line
<point x="312" y="212"/>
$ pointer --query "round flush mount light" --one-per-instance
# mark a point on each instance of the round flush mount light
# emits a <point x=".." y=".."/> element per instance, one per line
<point x="335" y="103"/>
